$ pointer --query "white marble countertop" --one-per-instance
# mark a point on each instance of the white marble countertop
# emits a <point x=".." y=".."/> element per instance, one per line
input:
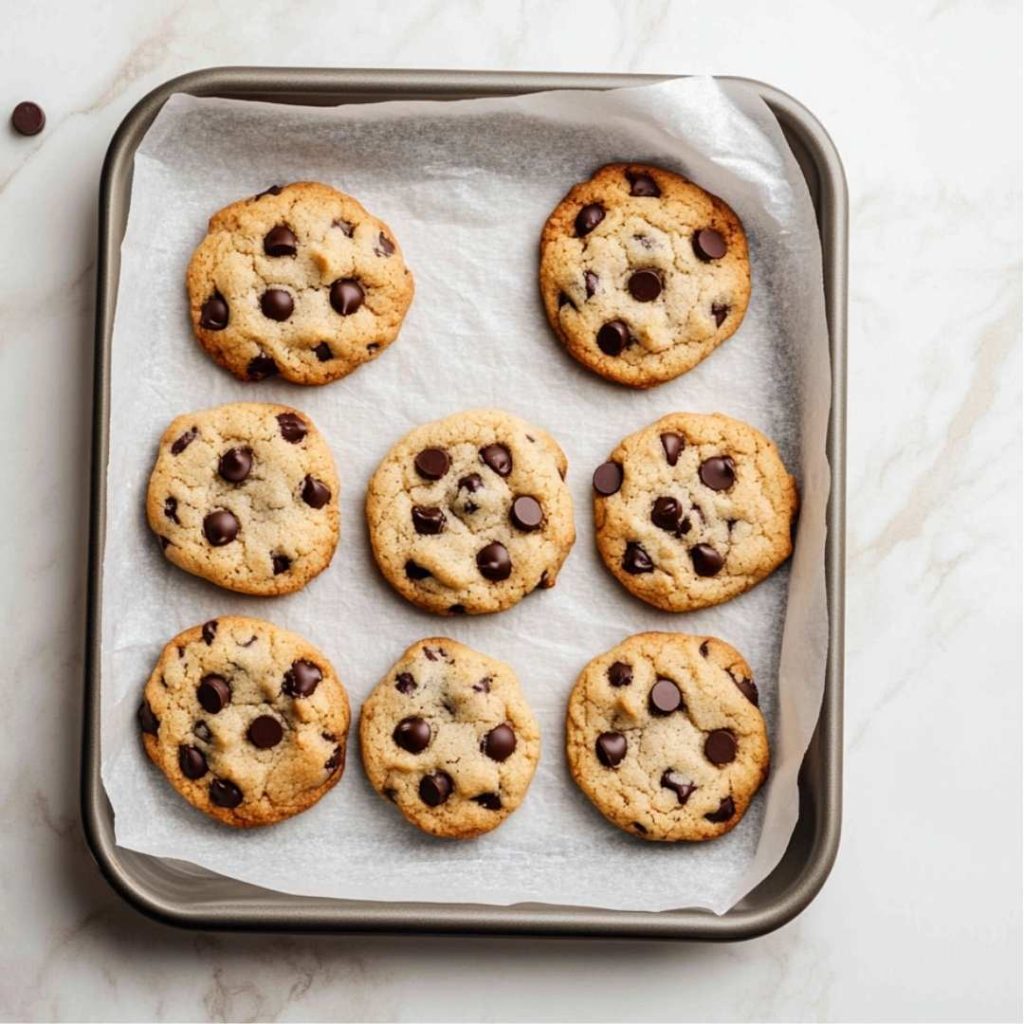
<point x="921" y="917"/>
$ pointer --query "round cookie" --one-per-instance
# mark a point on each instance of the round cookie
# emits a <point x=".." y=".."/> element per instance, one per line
<point x="664" y="736"/>
<point x="299" y="281"/>
<point x="471" y="513"/>
<point x="693" y="510"/>
<point x="643" y="274"/>
<point x="247" y="721"/>
<point x="246" y="496"/>
<point x="448" y="737"/>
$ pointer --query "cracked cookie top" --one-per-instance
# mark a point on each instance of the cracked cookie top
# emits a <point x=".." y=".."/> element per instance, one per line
<point x="643" y="274"/>
<point x="299" y="281"/>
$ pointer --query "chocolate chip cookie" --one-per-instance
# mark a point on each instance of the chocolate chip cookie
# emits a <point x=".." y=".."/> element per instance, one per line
<point x="299" y="281"/>
<point x="448" y="737"/>
<point x="643" y="273"/>
<point x="247" y="721"/>
<point x="246" y="496"/>
<point x="664" y="736"/>
<point x="471" y="513"/>
<point x="693" y="510"/>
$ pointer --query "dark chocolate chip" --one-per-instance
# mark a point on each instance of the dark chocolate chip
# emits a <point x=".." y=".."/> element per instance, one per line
<point x="274" y="190"/>
<point x="416" y="572"/>
<point x="280" y="563"/>
<point x="220" y="527"/>
<point x="471" y="483"/>
<point x="526" y="513"/>
<point x="277" y="304"/>
<point x="213" y="693"/>
<point x="499" y="743"/>
<point x="620" y="674"/>
<point x="184" y="441"/>
<point x="641" y="184"/>
<point x="224" y="793"/>
<point x="664" y="697"/>
<point x="191" y="762"/>
<point x="684" y="526"/>
<point x="672" y="444"/>
<point x="27" y="118"/>
<point x="491" y="801"/>
<point x="718" y="472"/>
<point x="679" y="784"/>
<point x="706" y="560"/>
<point x="235" y="464"/>
<point x="607" y="478"/>
<point x="214" y="315"/>
<point x="719" y="312"/>
<point x="293" y="427"/>
<point x="171" y="510"/>
<point x="666" y="513"/>
<point x="705" y="650"/>
<point x="493" y="562"/>
<point x="261" y="367"/>
<point x="346" y="296"/>
<point x="432" y="463"/>
<point x="333" y="763"/>
<point x="302" y="679"/>
<point x="708" y="244"/>
<point x="345" y="227"/>
<point x="209" y="631"/>
<point x="635" y="560"/>
<point x="613" y="337"/>
<point x="456" y="609"/>
<point x="748" y="688"/>
<point x="590" y="280"/>
<point x="148" y="722"/>
<point x="323" y="352"/>
<point x="385" y="247"/>
<point x="726" y="809"/>
<point x="404" y="683"/>
<point x="265" y="732"/>
<point x="644" y="285"/>
<point x="436" y="788"/>
<point x="588" y="218"/>
<point x="412" y="734"/>
<point x="498" y="457"/>
<point x="202" y="731"/>
<point x="484" y="685"/>
<point x="427" y="521"/>
<point x="611" y="748"/>
<point x="315" y="493"/>
<point x="720" y="747"/>
<point x="280" y="241"/>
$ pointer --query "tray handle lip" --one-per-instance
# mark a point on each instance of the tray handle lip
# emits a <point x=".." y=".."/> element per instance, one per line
<point x="736" y="925"/>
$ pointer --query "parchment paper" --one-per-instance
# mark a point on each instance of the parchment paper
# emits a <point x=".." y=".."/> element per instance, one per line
<point x="466" y="186"/>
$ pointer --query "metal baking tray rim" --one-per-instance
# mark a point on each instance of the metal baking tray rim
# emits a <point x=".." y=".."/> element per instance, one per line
<point x="785" y="892"/>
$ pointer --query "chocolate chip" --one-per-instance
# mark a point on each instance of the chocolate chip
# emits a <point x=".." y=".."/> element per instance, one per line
<point x="224" y="793"/>
<point x="235" y="464"/>
<point x="148" y="722"/>
<point x="718" y="472"/>
<point x="706" y="560"/>
<point x="673" y="444"/>
<point x="184" y="441"/>
<point x="432" y="463"/>
<point x="27" y="118"/>
<point x="499" y="743"/>
<point x="666" y="513"/>
<point x="436" y="788"/>
<point x="345" y="227"/>
<point x="635" y="560"/>
<point x="404" y="683"/>
<point x="590" y="280"/>
<point x="209" y="631"/>
<point x="471" y="483"/>
<point x="214" y="314"/>
<point x="277" y="304"/>
<point x="611" y="748"/>
<point x="323" y="352"/>
<point x="412" y="734"/>
<point x="641" y="184"/>
<point x="484" y="685"/>
<point x="526" y="513"/>
<point x="664" y="697"/>
<point x="171" y="510"/>
<point x="493" y="562"/>
<point x="274" y="190"/>
<point x="719" y="312"/>
<point x="281" y="563"/>
<point x="726" y="809"/>
<point x="748" y="689"/>
<point x="302" y="679"/>
<point x="489" y="800"/>
<point x="620" y="674"/>
<point x="293" y="427"/>
<point x="213" y="693"/>
<point x="265" y="732"/>
<point x="456" y="609"/>
<point x="280" y="241"/>
<point x="220" y="527"/>
<point x="679" y="784"/>
<point x="202" y="731"/>
<point x="588" y="218"/>
<point x="613" y="337"/>
<point x="708" y="244"/>
<point x="705" y="650"/>
<point x="333" y="763"/>
<point x="607" y="478"/>
<point x="191" y="762"/>
<point x="385" y="247"/>
<point x="416" y="572"/>
<point x="427" y="521"/>
<point x="644" y="285"/>
<point x="346" y="296"/>
<point x="498" y="457"/>
<point x="720" y="747"/>
<point x="261" y="367"/>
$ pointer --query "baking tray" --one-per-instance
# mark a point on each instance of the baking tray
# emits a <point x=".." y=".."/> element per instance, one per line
<point x="184" y="895"/>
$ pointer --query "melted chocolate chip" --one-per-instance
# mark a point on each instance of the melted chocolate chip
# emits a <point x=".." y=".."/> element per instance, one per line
<point x="277" y="304"/>
<point x="432" y="463"/>
<point x="498" y="457"/>
<point x="315" y="493"/>
<point x="235" y="464"/>
<point x="427" y="521"/>
<point x="404" y="683"/>
<point x="590" y="280"/>
<point x="436" y="788"/>
<point x="610" y="748"/>
<point x="499" y="743"/>
<point x="323" y="352"/>
<point x="274" y="190"/>
<point x="261" y="367"/>
<point x="214" y="315"/>
<point x="706" y="560"/>
<point x="641" y="184"/>
<point x="302" y="679"/>
<point x="607" y="478"/>
<point x="672" y="444"/>
<point x="491" y="801"/>
<point x="345" y="227"/>
<point x="708" y="244"/>
<point x="293" y="427"/>
<point x="280" y="563"/>
<point x="220" y="527"/>
<point x="213" y="693"/>
<point x="726" y="809"/>
<point x="384" y="247"/>
<point x="192" y="762"/>
<point x="148" y="722"/>
<point x="679" y="784"/>
<point x="416" y="572"/>
<point x="748" y="688"/>
<point x="666" y="513"/>
<point x="718" y="472"/>
<point x="493" y="562"/>
<point x="412" y="734"/>
<point x="635" y="560"/>
<point x="483" y="685"/>
<point x="471" y="483"/>
<point x="588" y="218"/>
<point x="184" y="441"/>
<point x="719" y="312"/>
<point x="224" y="793"/>
<point x="333" y="763"/>
<point x="620" y="674"/>
<point x="280" y="241"/>
<point x="209" y="631"/>
<point x="664" y="697"/>
<point x="346" y="296"/>
<point x="720" y="747"/>
<point x="265" y="732"/>
<point x="171" y="510"/>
